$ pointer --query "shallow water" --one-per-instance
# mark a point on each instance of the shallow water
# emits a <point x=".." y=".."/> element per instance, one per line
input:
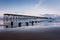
<point x="43" y="31"/>
<point x="42" y="25"/>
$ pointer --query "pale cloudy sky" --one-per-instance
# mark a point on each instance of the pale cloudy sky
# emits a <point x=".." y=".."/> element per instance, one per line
<point x="30" y="7"/>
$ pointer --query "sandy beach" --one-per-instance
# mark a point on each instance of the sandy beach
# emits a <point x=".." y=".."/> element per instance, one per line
<point x="30" y="34"/>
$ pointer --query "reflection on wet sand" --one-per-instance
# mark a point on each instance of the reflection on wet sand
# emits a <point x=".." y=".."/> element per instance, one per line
<point x="44" y="31"/>
<point x="30" y="34"/>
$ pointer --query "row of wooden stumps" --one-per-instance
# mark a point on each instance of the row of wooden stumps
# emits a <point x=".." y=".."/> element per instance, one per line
<point x="20" y="24"/>
<point x="27" y="24"/>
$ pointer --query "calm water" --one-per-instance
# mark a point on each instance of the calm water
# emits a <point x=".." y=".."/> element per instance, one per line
<point x="43" y="31"/>
<point x="44" y="24"/>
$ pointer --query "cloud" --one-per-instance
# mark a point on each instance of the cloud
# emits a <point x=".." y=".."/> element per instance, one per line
<point x="40" y="7"/>
<point x="43" y="7"/>
<point x="48" y="6"/>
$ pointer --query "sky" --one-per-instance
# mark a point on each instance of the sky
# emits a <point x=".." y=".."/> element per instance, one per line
<point x="30" y="7"/>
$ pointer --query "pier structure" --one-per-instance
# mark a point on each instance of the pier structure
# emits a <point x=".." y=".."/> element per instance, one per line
<point x="14" y="20"/>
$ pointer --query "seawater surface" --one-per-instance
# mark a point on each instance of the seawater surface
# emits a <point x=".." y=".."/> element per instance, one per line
<point x="43" y="31"/>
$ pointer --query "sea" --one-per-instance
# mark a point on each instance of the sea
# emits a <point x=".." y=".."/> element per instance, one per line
<point x="46" y="30"/>
<point x="44" y="24"/>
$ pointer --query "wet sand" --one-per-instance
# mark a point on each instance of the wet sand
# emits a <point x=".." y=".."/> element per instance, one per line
<point x="31" y="34"/>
